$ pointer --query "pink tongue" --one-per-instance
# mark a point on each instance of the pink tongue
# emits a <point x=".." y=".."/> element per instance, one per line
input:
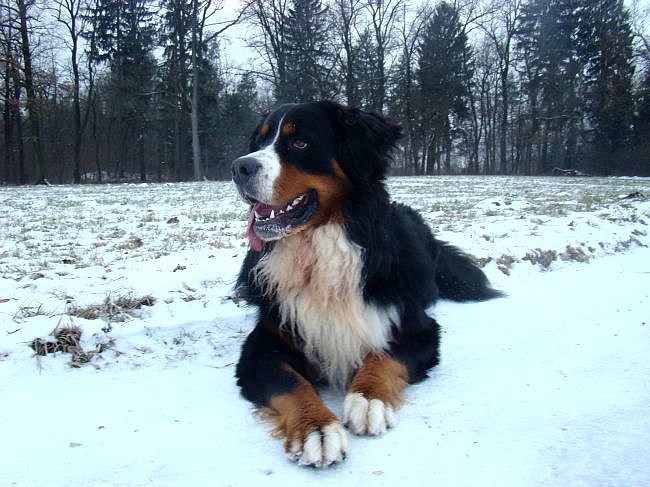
<point x="255" y="241"/>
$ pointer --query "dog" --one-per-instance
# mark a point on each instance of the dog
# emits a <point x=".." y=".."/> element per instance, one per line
<point x="341" y="277"/>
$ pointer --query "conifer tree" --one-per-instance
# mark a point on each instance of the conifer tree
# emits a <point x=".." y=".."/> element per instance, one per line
<point x="310" y="61"/>
<point x="444" y="74"/>
<point x="605" y="38"/>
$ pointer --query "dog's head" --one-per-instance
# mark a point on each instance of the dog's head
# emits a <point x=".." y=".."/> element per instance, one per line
<point x="305" y="162"/>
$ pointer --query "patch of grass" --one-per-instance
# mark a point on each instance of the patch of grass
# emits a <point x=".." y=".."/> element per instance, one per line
<point x="221" y="244"/>
<point x="574" y="254"/>
<point x="134" y="242"/>
<point x="67" y="339"/>
<point x="543" y="258"/>
<point x="25" y="312"/>
<point x="117" y="309"/>
<point x="505" y="263"/>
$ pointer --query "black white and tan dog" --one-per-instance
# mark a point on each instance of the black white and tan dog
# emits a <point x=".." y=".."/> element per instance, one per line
<point x="342" y="278"/>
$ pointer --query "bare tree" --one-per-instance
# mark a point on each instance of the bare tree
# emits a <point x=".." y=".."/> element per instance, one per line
<point x="345" y="17"/>
<point x="10" y="59"/>
<point x="33" y="103"/>
<point x="501" y="29"/>
<point x="203" y="13"/>
<point x="640" y="16"/>
<point x="411" y="25"/>
<point x="69" y="13"/>
<point x="271" y="17"/>
<point x="383" y="16"/>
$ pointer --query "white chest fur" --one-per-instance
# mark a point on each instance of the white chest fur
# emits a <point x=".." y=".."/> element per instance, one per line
<point x="317" y="276"/>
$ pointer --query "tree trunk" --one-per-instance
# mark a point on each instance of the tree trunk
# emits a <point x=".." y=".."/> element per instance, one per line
<point x="32" y="102"/>
<point x="196" y="145"/>
<point x="77" y="112"/>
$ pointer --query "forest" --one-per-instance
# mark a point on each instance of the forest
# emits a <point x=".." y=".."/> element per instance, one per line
<point x="156" y="90"/>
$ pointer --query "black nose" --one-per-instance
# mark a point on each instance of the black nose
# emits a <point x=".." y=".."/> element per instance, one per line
<point x="244" y="168"/>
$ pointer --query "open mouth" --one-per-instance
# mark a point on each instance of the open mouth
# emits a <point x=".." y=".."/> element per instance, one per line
<point x="273" y="222"/>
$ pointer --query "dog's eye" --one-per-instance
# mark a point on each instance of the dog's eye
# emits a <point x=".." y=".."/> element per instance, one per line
<point x="299" y="144"/>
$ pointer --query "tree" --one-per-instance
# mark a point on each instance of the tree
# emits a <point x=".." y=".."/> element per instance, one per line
<point x="368" y="79"/>
<point x="311" y="60"/>
<point x="176" y="33"/>
<point x="123" y="36"/>
<point x="272" y="18"/>
<point x="33" y="103"/>
<point x="383" y="15"/>
<point x="238" y="113"/>
<point x="444" y="74"/>
<point x="202" y="11"/>
<point x="605" y="37"/>
<point x="69" y="13"/>
<point x="345" y="15"/>
<point x="501" y="30"/>
<point x="14" y="153"/>
<point x="640" y="163"/>
<point x="403" y="99"/>
<point x="546" y="41"/>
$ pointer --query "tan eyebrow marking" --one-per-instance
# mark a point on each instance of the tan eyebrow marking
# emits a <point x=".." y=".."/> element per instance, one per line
<point x="288" y="128"/>
<point x="264" y="129"/>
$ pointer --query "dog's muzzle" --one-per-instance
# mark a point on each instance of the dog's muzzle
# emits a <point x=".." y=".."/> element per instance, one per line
<point x="244" y="171"/>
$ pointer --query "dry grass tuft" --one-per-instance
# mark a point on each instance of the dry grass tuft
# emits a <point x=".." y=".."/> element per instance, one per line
<point x="543" y="258"/>
<point x="505" y="263"/>
<point x="572" y="253"/>
<point x="112" y="309"/>
<point x="66" y="339"/>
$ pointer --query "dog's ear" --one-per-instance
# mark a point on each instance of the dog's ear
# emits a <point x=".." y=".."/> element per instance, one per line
<point x="381" y="132"/>
<point x="369" y="139"/>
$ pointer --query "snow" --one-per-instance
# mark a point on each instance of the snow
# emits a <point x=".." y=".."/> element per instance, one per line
<point x="548" y="386"/>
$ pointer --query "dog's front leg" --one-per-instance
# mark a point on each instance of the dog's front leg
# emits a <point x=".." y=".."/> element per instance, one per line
<point x="376" y="390"/>
<point x="375" y="393"/>
<point x="314" y="436"/>
<point x="268" y="373"/>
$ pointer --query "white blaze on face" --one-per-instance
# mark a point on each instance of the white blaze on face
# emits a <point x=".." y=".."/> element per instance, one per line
<point x="269" y="171"/>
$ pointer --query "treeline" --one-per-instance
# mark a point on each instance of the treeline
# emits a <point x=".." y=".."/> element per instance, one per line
<point x="106" y="90"/>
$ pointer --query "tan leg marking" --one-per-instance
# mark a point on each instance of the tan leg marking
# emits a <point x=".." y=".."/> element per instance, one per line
<point x="374" y="395"/>
<point x="313" y="435"/>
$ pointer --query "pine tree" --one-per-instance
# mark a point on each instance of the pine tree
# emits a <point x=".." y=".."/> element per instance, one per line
<point x="444" y="74"/>
<point x="546" y="40"/>
<point x="123" y="36"/>
<point x="310" y="60"/>
<point x="175" y="34"/>
<point x="605" y="38"/>
<point x="640" y="163"/>
<point x="366" y="74"/>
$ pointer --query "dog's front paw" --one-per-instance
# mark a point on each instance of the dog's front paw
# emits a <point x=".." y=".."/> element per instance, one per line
<point x="321" y="447"/>
<point x="367" y="417"/>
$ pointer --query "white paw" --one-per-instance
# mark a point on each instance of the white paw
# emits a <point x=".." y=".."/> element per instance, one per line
<point x="364" y="417"/>
<point x="322" y="447"/>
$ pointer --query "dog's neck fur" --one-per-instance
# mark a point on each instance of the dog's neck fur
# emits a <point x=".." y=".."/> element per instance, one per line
<point x="316" y="276"/>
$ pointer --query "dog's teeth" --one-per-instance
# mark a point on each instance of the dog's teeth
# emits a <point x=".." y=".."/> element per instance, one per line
<point x="272" y="216"/>
<point x="257" y="215"/>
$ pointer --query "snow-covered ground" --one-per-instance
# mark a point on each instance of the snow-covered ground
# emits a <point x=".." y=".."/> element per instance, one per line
<point x="549" y="386"/>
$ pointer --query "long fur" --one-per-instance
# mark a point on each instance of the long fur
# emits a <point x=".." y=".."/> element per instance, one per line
<point x="356" y="280"/>
<point x="316" y="277"/>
